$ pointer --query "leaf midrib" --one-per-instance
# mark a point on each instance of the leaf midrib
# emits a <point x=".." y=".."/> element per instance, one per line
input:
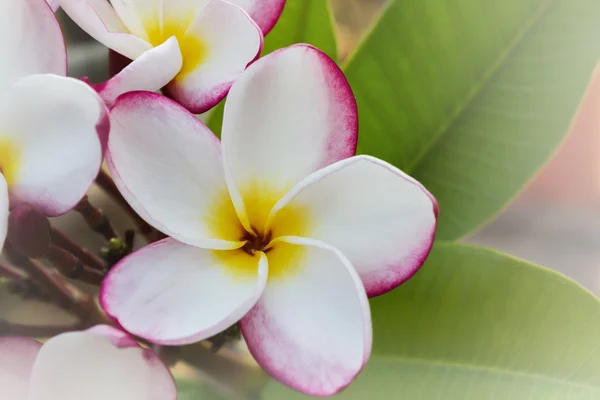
<point x="475" y="89"/>
<point x="471" y="367"/>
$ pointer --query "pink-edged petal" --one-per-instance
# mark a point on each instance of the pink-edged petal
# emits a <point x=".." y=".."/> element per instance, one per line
<point x="291" y="113"/>
<point x="171" y="293"/>
<point x="151" y="71"/>
<point x="4" y="210"/>
<point x="100" y="21"/>
<point x="229" y="41"/>
<point x="383" y="220"/>
<point x="31" y="41"/>
<point x="264" y="12"/>
<point x="17" y="357"/>
<point x="54" y="4"/>
<point x="167" y="164"/>
<point x="311" y="329"/>
<point x="94" y="365"/>
<point x="53" y="130"/>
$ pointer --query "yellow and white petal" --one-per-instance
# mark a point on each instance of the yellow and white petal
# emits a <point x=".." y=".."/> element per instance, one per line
<point x="31" y="41"/>
<point x="167" y="164"/>
<point x="99" y="20"/>
<point x="151" y="71"/>
<point x="102" y="363"/>
<point x="291" y="113"/>
<point x="171" y="293"/>
<point x="383" y="220"/>
<point x="216" y="48"/>
<point x="311" y="329"/>
<point x="17" y="357"/>
<point x="264" y="12"/>
<point x="53" y="131"/>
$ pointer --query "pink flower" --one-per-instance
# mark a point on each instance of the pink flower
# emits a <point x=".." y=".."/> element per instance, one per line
<point x="197" y="48"/>
<point x="98" y="364"/>
<point x="279" y="225"/>
<point x="52" y="129"/>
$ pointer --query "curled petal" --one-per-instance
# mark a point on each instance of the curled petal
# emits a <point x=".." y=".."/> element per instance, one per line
<point x="311" y="329"/>
<point x="54" y="132"/>
<point x="264" y="12"/>
<point x="383" y="220"/>
<point x="217" y="47"/>
<point x="167" y="164"/>
<point x="151" y="71"/>
<point x="171" y="293"/>
<point x="291" y="113"/>
<point x="31" y="41"/>
<point x="17" y="357"/>
<point x="100" y="21"/>
<point x="104" y="364"/>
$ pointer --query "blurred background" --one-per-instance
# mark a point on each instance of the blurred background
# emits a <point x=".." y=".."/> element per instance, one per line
<point x="553" y="222"/>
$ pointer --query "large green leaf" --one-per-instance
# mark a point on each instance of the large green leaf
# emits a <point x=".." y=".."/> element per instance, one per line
<point x="477" y="324"/>
<point x="471" y="97"/>
<point x="302" y="21"/>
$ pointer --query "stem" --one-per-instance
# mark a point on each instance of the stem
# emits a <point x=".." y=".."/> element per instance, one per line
<point x="61" y="292"/>
<point x="11" y="329"/>
<point x="71" y="267"/>
<point x="95" y="219"/>
<point x="108" y="186"/>
<point x="10" y="272"/>
<point x="62" y="240"/>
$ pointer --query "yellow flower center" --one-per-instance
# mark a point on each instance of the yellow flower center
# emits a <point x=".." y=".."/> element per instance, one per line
<point x="10" y="160"/>
<point x="193" y="48"/>
<point x="258" y="201"/>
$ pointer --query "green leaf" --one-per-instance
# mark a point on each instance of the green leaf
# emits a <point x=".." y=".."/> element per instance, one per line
<point x="477" y="324"/>
<point x="472" y="97"/>
<point x="302" y="21"/>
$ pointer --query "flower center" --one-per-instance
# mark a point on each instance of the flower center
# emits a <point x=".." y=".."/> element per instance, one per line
<point x="193" y="48"/>
<point x="256" y="242"/>
<point x="10" y="158"/>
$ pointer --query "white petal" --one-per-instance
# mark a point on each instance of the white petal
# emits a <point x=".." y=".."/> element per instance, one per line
<point x="100" y="21"/>
<point x="311" y="329"/>
<point x="96" y="365"/>
<point x="31" y="41"/>
<point x="291" y="113"/>
<point x="3" y="210"/>
<point x="383" y="220"/>
<point x="167" y="164"/>
<point x="151" y="71"/>
<point x="54" y="4"/>
<point x="17" y="357"/>
<point x="172" y="293"/>
<point x="228" y="41"/>
<point x="53" y="133"/>
<point x="264" y="12"/>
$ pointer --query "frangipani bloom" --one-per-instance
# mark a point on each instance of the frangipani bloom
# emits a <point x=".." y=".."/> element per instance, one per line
<point x="101" y="363"/>
<point x="52" y="129"/>
<point x="197" y="48"/>
<point x="278" y="225"/>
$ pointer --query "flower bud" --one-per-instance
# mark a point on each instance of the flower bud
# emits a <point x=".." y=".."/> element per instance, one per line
<point x="29" y="232"/>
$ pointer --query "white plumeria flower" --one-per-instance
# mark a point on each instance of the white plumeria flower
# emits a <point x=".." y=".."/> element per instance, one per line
<point x="276" y="226"/>
<point x="53" y="129"/>
<point x="197" y="48"/>
<point x="98" y="364"/>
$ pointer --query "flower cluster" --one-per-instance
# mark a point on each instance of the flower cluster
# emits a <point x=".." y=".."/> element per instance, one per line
<point x="278" y="226"/>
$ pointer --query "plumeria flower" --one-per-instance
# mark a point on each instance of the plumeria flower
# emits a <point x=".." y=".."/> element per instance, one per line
<point x="98" y="364"/>
<point x="278" y="225"/>
<point x="197" y="48"/>
<point x="53" y="129"/>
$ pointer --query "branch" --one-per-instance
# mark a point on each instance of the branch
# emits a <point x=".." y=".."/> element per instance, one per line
<point x="71" y="267"/>
<point x="63" y="241"/>
<point x="96" y="220"/>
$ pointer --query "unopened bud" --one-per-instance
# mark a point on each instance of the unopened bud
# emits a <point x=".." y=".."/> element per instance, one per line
<point x="29" y="232"/>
